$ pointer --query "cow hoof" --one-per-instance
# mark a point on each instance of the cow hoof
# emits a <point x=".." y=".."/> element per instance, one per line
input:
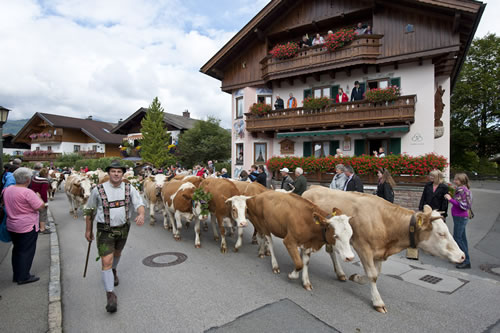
<point x="293" y="276"/>
<point x="197" y="246"/>
<point x="342" y="278"/>
<point x="254" y="241"/>
<point x="216" y="238"/>
<point x="223" y="250"/>
<point x="353" y="277"/>
<point x="262" y="256"/>
<point x="276" y="270"/>
<point x="380" y="308"/>
<point x="177" y="238"/>
<point x="165" y="227"/>
<point x="235" y="249"/>
<point x="268" y="253"/>
<point x="75" y="217"/>
<point x="169" y="228"/>
<point x="187" y="225"/>
<point x="308" y="287"/>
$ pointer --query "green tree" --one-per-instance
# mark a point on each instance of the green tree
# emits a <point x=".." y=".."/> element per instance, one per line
<point x="205" y="141"/>
<point x="475" y="115"/>
<point x="155" y="138"/>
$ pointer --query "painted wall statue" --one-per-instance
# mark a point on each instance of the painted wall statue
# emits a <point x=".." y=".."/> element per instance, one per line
<point x="438" y="106"/>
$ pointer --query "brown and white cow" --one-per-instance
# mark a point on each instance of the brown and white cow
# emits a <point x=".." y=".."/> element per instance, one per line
<point x="78" y="192"/>
<point x="226" y="205"/>
<point x="381" y="229"/>
<point x="301" y="224"/>
<point x="152" y="195"/>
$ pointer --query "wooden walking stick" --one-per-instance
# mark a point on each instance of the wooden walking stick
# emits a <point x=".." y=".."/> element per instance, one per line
<point x="90" y="243"/>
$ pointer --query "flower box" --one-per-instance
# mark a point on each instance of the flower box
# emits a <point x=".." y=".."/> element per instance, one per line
<point x="312" y="103"/>
<point x="260" y="109"/>
<point x="339" y="39"/>
<point x="388" y="94"/>
<point x="284" y="51"/>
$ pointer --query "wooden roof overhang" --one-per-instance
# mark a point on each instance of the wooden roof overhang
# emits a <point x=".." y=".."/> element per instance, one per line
<point x="466" y="17"/>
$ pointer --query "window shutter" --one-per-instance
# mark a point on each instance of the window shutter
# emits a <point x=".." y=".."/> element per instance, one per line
<point x="308" y="93"/>
<point x="307" y="149"/>
<point x="334" y="90"/>
<point x="359" y="147"/>
<point x="333" y="146"/>
<point x="396" y="81"/>
<point x="395" y="146"/>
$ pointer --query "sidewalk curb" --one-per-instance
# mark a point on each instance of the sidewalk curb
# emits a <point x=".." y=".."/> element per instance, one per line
<point x="55" y="306"/>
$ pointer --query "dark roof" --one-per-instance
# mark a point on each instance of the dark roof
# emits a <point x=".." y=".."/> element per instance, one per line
<point x="171" y="120"/>
<point x="98" y="130"/>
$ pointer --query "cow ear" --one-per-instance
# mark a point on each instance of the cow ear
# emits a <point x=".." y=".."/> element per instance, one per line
<point x="336" y="211"/>
<point x="226" y="199"/>
<point x="427" y="210"/>
<point x="423" y="221"/>
<point x="318" y="219"/>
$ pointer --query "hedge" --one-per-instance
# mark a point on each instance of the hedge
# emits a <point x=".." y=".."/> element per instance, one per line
<point x="363" y="165"/>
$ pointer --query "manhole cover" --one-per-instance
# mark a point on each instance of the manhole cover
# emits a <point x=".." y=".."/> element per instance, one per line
<point x="430" y="279"/>
<point x="492" y="269"/>
<point x="150" y="261"/>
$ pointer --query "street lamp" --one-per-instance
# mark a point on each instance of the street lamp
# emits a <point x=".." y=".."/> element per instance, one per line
<point x="4" y="113"/>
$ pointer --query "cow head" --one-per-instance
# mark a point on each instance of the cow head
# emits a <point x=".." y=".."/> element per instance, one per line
<point x="435" y="238"/>
<point x="85" y="188"/>
<point x="239" y="209"/>
<point x="342" y="232"/>
<point x="159" y="180"/>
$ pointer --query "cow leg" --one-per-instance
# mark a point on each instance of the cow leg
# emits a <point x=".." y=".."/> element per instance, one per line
<point x="239" y="242"/>
<point x="213" y="221"/>
<point x="177" y="224"/>
<point x="262" y="245"/>
<point x="306" y="257"/>
<point x="254" y="236"/>
<point x="152" y="219"/>
<point x="336" y="263"/>
<point x="291" y="246"/>
<point x="274" y="262"/>
<point x="75" y="210"/>
<point x="205" y="225"/>
<point x="166" y="219"/>
<point x="197" y="243"/>
<point x="172" y="225"/>
<point x="223" y="244"/>
<point x="371" y="278"/>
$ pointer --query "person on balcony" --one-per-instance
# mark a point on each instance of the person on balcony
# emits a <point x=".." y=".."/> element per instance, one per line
<point x="338" y="153"/>
<point x="381" y="152"/>
<point x="279" y="104"/>
<point x="305" y="42"/>
<point x="357" y="93"/>
<point x="341" y="97"/>
<point x="359" y="29"/>
<point x="318" y="40"/>
<point x="368" y="30"/>
<point x="292" y="102"/>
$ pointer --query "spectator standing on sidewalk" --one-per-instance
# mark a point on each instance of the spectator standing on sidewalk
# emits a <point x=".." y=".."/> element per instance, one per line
<point x="40" y="185"/>
<point x="461" y="205"/>
<point x="22" y="206"/>
<point x="110" y="203"/>
<point x="385" y="187"/>
<point x="434" y="192"/>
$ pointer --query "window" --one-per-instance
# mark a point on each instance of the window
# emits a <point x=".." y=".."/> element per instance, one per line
<point x="49" y="148"/>
<point x="264" y="99"/>
<point x="260" y="153"/>
<point x="321" y="92"/>
<point x="37" y="148"/>
<point x="94" y="148"/>
<point x="239" y="154"/>
<point x="239" y="107"/>
<point x="381" y="84"/>
<point x="76" y="148"/>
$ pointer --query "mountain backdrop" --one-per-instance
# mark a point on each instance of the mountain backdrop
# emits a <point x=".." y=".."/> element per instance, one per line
<point x="13" y="126"/>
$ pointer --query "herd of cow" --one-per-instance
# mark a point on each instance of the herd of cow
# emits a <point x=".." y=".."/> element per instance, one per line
<point x="374" y="227"/>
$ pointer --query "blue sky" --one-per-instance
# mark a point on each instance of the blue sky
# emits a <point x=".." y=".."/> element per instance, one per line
<point x="109" y="58"/>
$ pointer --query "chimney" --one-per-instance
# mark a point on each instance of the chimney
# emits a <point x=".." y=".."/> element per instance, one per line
<point x="186" y="114"/>
<point x="89" y="118"/>
<point x="120" y="121"/>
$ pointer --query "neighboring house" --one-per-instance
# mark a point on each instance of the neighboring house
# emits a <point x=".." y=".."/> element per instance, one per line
<point x="175" y="125"/>
<point x="52" y="135"/>
<point x="417" y="45"/>
<point x="14" y="148"/>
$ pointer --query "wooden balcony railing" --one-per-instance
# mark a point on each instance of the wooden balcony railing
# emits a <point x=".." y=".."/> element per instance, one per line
<point x="362" y="50"/>
<point x="42" y="157"/>
<point x="360" y="113"/>
<point x="53" y="138"/>
<point x="90" y="154"/>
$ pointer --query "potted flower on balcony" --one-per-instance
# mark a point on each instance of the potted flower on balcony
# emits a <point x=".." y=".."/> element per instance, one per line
<point x="384" y="95"/>
<point x="260" y="109"/>
<point x="315" y="103"/>
<point x="284" y="51"/>
<point x="33" y="136"/>
<point x="339" y="39"/>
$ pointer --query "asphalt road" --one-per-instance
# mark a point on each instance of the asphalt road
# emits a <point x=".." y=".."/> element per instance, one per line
<point x="210" y="290"/>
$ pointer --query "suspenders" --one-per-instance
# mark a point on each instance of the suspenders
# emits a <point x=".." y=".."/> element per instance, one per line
<point x="107" y="205"/>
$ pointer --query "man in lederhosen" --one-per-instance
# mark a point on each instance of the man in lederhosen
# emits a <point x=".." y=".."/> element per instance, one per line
<point x="110" y="203"/>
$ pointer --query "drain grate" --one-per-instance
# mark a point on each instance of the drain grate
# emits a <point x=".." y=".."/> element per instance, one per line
<point x="149" y="261"/>
<point x="431" y="279"/>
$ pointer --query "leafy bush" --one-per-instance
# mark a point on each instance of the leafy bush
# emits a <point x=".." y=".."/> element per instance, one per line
<point x="68" y="159"/>
<point x="312" y="103"/>
<point x="388" y="94"/>
<point x="260" y="109"/>
<point x="363" y="165"/>
<point x="101" y="163"/>
<point x="284" y="51"/>
<point x="339" y="39"/>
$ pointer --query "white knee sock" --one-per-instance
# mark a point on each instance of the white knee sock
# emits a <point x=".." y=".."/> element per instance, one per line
<point x="116" y="260"/>
<point x="108" y="280"/>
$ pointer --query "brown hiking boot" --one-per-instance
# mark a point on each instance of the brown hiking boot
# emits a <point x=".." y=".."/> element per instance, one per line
<point x="112" y="302"/>
<point x="117" y="282"/>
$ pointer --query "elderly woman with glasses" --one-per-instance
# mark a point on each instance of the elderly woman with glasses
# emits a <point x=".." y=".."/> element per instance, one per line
<point x="22" y="206"/>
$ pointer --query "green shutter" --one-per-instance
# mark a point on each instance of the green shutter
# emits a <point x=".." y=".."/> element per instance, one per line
<point x="359" y="147"/>
<point x="395" y="146"/>
<point x="396" y="81"/>
<point x="308" y="93"/>
<point x="307" y="149"/>
<point x="333" y="146"/>
<point x="334" y="90"/>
